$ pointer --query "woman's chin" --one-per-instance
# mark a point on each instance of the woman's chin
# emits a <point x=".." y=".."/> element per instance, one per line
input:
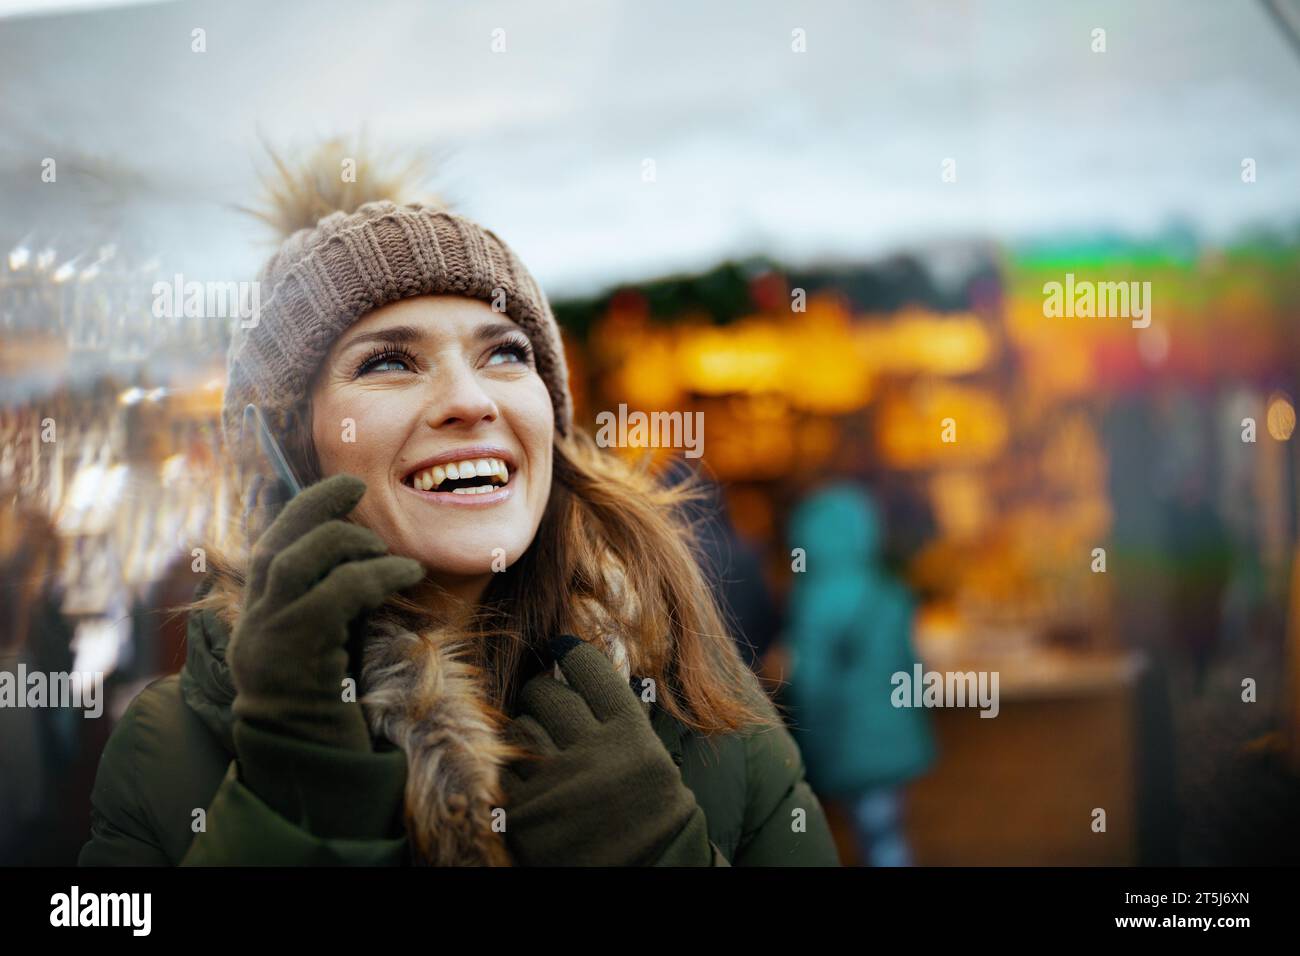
<point x="442" y="567"/>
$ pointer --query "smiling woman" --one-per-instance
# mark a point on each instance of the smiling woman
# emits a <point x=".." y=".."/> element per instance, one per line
<point x="544" y="675"/>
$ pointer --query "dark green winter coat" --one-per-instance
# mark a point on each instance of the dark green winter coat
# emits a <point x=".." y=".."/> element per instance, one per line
<point x="169" y="791"/>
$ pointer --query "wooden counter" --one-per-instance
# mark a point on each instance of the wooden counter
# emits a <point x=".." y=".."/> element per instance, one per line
<point x="1020" y="788"/>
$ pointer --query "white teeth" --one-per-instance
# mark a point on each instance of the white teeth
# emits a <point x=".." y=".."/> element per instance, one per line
<point x="431" y="478"/>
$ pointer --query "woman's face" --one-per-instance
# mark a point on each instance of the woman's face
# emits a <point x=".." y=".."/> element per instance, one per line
<point x="410" y="394"/>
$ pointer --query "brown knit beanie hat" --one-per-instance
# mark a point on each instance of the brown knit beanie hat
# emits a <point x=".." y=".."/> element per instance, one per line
<point x="323" y="279"/>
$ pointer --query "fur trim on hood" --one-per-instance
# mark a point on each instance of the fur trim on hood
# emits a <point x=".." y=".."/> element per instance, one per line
<point x="419" y="693"/>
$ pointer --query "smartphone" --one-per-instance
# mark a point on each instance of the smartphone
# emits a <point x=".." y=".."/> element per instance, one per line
<point x="254" y="427"/>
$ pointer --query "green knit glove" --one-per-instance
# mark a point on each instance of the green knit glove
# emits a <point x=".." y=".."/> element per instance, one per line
<point x="313" y="576"/>
<point x="600" y="789"/>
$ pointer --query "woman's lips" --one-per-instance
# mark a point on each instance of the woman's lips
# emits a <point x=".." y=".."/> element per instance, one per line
<point x="453" y="500"/>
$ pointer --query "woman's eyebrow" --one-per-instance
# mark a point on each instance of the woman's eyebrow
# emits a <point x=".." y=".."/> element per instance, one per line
<point x="410" y="333"/>
<point x="492" y="330"/>
<point x="394" y="333"/>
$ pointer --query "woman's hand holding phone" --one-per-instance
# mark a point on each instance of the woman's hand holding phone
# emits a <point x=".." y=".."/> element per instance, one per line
<point x="312" y="576"/>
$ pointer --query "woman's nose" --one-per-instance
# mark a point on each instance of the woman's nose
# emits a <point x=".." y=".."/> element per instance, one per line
<point x="458" y="397"/>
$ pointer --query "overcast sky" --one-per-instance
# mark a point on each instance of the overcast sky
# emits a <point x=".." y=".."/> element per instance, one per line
<point x="834" y="152"/>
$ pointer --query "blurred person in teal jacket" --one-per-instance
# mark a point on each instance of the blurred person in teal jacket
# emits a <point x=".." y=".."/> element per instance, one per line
<point x="849" y="630"/>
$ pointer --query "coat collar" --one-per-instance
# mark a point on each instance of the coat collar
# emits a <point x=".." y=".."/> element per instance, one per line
<point x="206" y="685"/>
<point x="207" y="688"/>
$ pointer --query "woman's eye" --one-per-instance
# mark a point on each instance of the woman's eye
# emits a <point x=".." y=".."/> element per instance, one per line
<point x="385" y="363"/>
<point x="509" y="351"/>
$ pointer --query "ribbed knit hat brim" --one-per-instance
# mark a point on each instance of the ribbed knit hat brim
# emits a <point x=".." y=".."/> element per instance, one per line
<point x="322" y="280"/>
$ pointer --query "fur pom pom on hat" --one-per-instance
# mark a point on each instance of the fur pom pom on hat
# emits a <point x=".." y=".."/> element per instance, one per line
<point x="323" y="279"/>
